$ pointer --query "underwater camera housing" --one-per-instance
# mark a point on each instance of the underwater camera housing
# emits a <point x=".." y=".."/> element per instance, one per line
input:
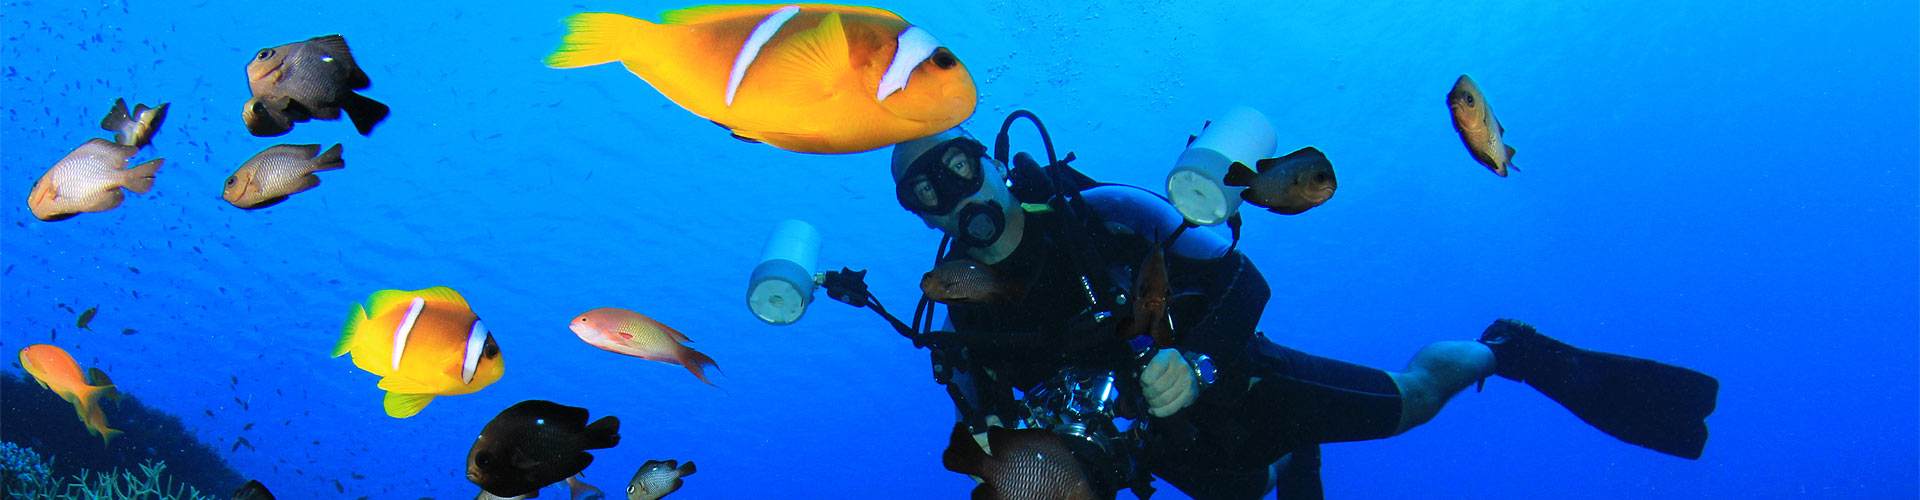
<point x="1082" y="407"/>
<point x="1197" y="183"/>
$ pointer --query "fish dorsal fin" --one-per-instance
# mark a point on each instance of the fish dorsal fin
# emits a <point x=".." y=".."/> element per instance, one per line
<point x="403" y="405"/>
<point x="443" y="295"/>
<point x="1308" y="153"/>
<point x="713" y="13"/>
<point x="808" y="65"/>
<point x="1510" y="153"/>
<point x="387" y="300"/>
<point x="307" y="150"/>
<point x="335" y="46"/>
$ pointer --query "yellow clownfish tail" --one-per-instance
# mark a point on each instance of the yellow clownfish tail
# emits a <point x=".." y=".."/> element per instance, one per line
<point x="595" y="38"/>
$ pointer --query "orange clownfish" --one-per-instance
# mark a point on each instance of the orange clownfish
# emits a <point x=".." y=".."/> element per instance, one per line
<point x="809" y="78"/>
<point x="55" y="370"/>
<point x="422" y="343"/>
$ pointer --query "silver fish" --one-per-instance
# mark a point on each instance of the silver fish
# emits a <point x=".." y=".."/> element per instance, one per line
<point x="89" y="180"/>
<point x="657" y="478"/>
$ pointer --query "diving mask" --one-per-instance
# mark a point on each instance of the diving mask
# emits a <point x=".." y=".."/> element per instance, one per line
<point x="942" y="178"/>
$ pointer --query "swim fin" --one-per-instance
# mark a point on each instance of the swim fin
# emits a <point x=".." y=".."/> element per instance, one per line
<point x="1643" y="402"/>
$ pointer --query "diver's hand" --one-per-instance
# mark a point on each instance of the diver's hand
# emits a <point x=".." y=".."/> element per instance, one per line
<point x="1168" y="383"/>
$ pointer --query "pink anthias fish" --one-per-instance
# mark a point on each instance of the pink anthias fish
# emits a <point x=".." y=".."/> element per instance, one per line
<point x="630" y="333"/>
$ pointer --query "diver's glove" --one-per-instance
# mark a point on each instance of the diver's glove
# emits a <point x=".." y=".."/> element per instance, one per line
<point x="1170" y="383"/>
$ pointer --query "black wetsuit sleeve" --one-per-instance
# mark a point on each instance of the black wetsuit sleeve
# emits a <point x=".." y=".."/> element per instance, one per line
<point x="1219" y="320"/>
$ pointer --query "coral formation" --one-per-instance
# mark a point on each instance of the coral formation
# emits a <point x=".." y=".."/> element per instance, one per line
<point x="38" y="419"/>
<point x="24" y="474"/>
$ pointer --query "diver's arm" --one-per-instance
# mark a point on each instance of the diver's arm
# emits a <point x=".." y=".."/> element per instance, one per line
<point x="1220" y="321"/>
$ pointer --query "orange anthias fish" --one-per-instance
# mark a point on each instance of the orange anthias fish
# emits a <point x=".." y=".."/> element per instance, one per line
<point x="422" y="343"/>
<point x="627" y="332"/>
<point x="55" y="370"/>
<point x="809" y="78"/>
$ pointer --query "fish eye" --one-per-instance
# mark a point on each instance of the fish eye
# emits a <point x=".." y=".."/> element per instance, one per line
<point x="1467" y="97"/>
<point x="264" y="54"/>
<point x="231" y="179"/>
<point x="483" y="459"/>
<point x="491" y="350"/>
<point x="944" y="58"/>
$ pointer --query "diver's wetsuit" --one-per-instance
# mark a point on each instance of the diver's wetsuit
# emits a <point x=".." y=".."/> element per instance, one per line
<point x="1222" y="446"/>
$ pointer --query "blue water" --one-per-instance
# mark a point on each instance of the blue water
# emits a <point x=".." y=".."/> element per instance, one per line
<point x="1729" y="186"/>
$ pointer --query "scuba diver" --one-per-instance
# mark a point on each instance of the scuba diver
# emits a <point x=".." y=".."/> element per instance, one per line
<point x="1223" y="412"/>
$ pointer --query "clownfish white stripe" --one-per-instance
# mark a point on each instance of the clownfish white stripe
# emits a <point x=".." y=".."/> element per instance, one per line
<point x="750" y="50"/>
<point x="476" y="343"/>
<point x="406" y="328"/>
<point x="914" y="45"/>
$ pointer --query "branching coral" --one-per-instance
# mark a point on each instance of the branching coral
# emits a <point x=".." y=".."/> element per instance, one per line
<point x="26" y="475"/>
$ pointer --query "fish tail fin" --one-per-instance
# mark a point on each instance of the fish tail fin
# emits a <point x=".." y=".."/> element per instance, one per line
<point x="140" y="177"/>
<point x="595" y="38"/>
<point x="116" y="120"/>
<point x="1239" y="175"/>
<point x="94" y="417"/>
<point x="603" y="433"/>
<point x="364" y="111"/>
<point x="107" y="435"/>
<point x="354" y="318"/>
<point x="963" y="454"/>
<point x="329" y="160"/>
<point x="697" y="362"/>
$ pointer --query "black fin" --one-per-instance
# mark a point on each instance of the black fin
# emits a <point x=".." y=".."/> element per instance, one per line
<point x="270" y="202"/>
<point x="364" y="111"/>
<point x="1647" y="403"/>
<point x="963" y="454"/>
<point x="744" y="139"/>
<point x="336" y="46"/>
<point x="687" y="469"/>
<point x="603" y="433"/>
<point x="328" y="160"/>
<point x="1238" y="175"/>
<point x="117" y="117"/>
<point x="1306" y="154"/>
<point x="1510" y="153"/>
<point x="253" y="490"/>
<point x="1191" y="138"/>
